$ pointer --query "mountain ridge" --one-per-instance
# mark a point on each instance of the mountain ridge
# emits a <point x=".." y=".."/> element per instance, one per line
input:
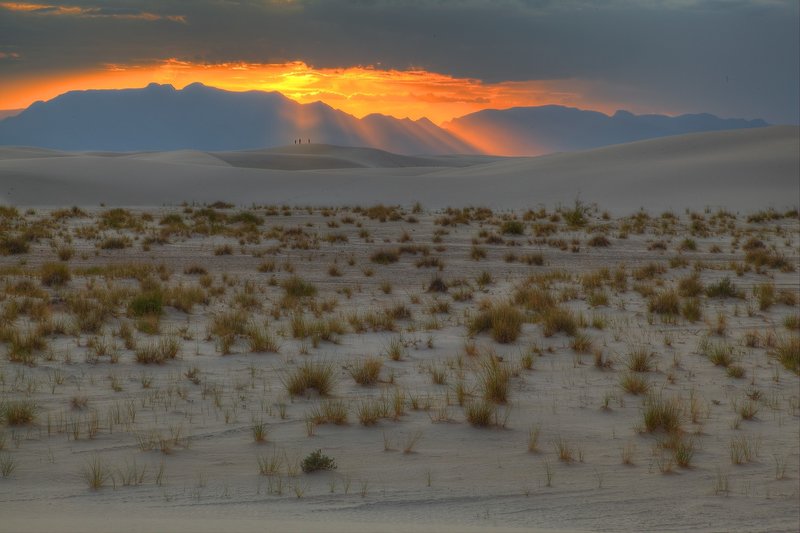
<point x="160" y="117"/>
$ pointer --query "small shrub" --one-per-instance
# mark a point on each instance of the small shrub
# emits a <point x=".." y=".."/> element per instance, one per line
<point x="315" y="461"/>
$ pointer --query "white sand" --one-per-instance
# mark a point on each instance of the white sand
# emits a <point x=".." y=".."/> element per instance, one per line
<point x="736" y="170"/>
<point x="459" y="478"/>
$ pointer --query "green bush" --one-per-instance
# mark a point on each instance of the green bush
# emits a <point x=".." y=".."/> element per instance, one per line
<point x="317" y="461"/>
<point x="147" y="303"/>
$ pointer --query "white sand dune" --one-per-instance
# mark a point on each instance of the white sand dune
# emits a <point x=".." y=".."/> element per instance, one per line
<point x="326" y="156"/>
<point x="740" y="170"/>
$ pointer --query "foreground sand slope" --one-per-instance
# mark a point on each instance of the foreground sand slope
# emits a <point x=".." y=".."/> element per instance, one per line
<point x="734" y="169"/>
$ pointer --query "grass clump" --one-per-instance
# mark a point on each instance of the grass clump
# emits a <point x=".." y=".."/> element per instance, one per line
<point x="385" y="256"/>
<point x="147" y="303"/>
<point x="480" y="413"/>
<point x="512" y="227"/>
<point x="310" y="375"/>
<point x="297" y="287"/>
<point x="634" y="383"/>
<point x="54" y="274"/>
<point x="559" y="319"/>
<point x="787" y="352"/>
<point x="724" y="288"/>
<point x="503" y="320"/>
<point x="366" y="372"/>
<point x="666" y="302"/>
<point x="18" y="412"/>
<point x="494" y="379"/>
<point x="661" y="413"/>
<point x="158" y="352"/>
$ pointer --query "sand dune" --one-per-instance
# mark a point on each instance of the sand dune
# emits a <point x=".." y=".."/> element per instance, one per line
<point x="745" y="169"/>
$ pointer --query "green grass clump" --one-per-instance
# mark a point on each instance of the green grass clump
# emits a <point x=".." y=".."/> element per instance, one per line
<point x="316" y="460"/>
<point x="147" y="303"/>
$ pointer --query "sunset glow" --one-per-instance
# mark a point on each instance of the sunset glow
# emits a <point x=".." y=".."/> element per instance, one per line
<point x="412" y="93"/>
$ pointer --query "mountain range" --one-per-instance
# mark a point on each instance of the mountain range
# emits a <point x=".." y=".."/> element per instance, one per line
<point x="161" y="118"/>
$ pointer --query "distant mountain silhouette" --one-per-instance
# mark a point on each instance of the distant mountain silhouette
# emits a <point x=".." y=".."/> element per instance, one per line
<point x="159" y="117"/>
<point x="553" y="128"/>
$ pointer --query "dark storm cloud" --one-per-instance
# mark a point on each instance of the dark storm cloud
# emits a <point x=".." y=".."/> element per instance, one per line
<point x="730" y="57"/>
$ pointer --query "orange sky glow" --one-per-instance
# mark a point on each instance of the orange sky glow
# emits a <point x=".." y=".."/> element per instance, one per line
<point x="413" y="93"/>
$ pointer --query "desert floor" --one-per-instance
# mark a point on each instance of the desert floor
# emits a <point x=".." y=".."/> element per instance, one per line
<point x="562" y="369"/>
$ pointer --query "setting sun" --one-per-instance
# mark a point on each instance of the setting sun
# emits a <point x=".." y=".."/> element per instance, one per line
<point x="359" y="90"/>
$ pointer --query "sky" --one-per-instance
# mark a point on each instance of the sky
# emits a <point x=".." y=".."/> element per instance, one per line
<point x="439" y="58"/>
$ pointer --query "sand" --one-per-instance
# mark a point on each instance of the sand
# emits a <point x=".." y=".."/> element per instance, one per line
<point x="733" y="170"/>
<point x="188" y="424"/>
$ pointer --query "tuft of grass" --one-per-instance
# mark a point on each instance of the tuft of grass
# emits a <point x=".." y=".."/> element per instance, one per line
<point x="54" y="274"/>
<point x="297" y="287"/>
<point x="661" y="413"/>
<point x="147" y="303"/>
<point x="158" y="352"/>
<point x="494" y="377"/>
<point x="559" y="319"/>
<point x="18" y="412"/>
<point x="367" y="371"/>
<point x="564" y="450"/>
<point x="310" y="375"/>
<point x="385" y="256"/>
<point x="634" y="383"/>
<point x="787" y="351"/>
<point x="724" y="288"/>
<point x="639" y="359"/>
<point x="259" y="431"/>
<point x="480" y="413"/>
<point x="96" y="473"/>
<point x="666" y="302"/>
<point x="503" y="320"/>
<point x="260" y="339"/>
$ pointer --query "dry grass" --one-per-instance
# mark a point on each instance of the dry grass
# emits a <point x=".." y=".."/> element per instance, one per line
<point x="503" y="320"/>
<point x="310" y="375"/>
<point x="366" y="371"/>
